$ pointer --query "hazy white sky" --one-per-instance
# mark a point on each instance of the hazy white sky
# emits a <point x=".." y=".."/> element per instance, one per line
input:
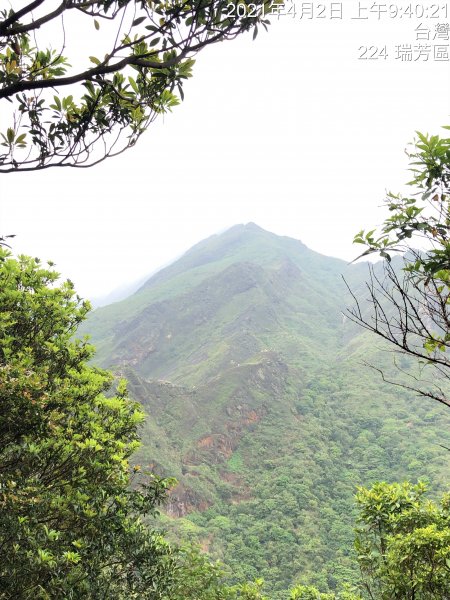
<point x="292" y="131"/>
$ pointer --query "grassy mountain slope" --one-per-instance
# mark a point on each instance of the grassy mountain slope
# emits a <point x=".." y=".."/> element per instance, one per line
<point x="227" y="297"/>
<point x="259" y="405"/>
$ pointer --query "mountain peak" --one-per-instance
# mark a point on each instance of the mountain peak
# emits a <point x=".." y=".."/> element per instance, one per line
<point x="244" y="242"/>
<point x="250" y="226"/>
<point x="216" y="247"/>
<point x="240" y="230"/>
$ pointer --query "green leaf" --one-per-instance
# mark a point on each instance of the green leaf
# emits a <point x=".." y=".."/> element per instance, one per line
<point x="138" y="21"/>
<point x="10" y="135"/>
<point x="133" y="85"/>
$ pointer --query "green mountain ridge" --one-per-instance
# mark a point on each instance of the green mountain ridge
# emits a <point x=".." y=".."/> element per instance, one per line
<point x="246" y="266"/>
<point x="259" y="406"/>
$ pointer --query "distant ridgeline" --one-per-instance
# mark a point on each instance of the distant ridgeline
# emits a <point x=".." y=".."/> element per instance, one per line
<point x="259" y="405"/>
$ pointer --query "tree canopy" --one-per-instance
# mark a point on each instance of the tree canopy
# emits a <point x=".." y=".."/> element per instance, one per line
<point x="403" y="546"/>
<point x="70" y="525"/>
<point x="64" y="106"/>
<point x="403" y="542"/>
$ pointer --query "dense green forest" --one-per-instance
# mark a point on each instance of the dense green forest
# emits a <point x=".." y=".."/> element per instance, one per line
<point x="248" y="383"/>
<point x="260" y="406"/>
<point x="277" y="425"/>
<point x="271" y="497"/>
<point x="240" y="432"/>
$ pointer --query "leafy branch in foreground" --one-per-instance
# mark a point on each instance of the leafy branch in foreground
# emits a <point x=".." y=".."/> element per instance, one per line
<point x="423" y="216"/>
<point x="409" y="303"/>
<point x="147" y="53"/>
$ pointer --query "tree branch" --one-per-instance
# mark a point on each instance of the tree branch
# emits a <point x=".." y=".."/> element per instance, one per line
<point x="36" y="24"/>
<point x="17" y="15"/>
<point x="90" y="74"/>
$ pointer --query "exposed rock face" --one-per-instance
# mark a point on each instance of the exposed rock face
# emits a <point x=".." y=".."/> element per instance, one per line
<point x="244" y="407"/>
<point x="184" y="500"/>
